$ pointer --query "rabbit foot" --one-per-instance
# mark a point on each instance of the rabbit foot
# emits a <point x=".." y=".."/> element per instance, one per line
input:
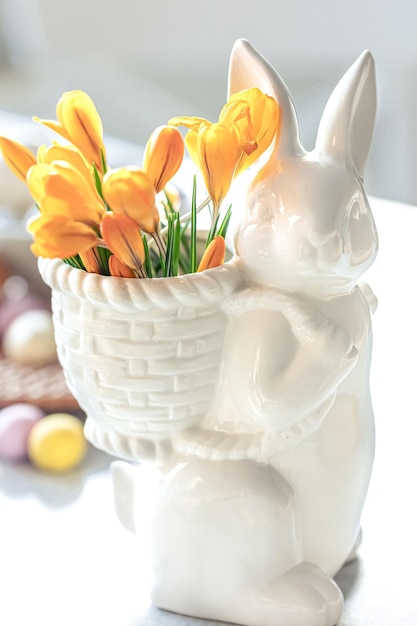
<point x="303" y="596"/>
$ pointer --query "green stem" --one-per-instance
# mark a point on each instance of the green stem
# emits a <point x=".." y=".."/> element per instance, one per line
<point x="148" y="260"/>
<point x="222" y="232"/>
<point x="187" y="216"/>
<point x="161" y="248"/>
<point x="193" y="246"/>
<point x="212" y="232"/>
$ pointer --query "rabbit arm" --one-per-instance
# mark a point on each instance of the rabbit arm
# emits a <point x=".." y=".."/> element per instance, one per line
<point x="292" y="360"/>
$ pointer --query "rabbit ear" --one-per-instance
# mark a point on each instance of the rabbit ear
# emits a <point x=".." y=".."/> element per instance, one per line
<point x="248" y="69"/>
<point x="346" y="127"/>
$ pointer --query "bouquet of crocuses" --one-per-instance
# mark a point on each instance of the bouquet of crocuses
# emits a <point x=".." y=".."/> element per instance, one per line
<point x="112" y="221"/>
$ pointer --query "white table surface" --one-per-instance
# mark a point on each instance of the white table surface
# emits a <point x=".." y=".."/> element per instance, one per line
<point x="66" y="561"/>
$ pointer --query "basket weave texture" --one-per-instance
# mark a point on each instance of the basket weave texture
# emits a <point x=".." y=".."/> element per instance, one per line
<point x="142" y="357"/>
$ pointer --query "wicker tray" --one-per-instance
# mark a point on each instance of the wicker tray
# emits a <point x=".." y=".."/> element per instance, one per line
<point x="44" y="387"/>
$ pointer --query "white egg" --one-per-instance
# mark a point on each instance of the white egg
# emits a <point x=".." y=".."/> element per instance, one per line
<point x="29" y="339"/>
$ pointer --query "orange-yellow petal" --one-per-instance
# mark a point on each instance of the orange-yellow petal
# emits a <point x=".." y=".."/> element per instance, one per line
<point x="59" y="237"/>
<point x="193" y="123"/>
<point x="163" y="155"/>
<point x="70" y="154"/>
<point x="214" y="254"/>
<point x="191" y="145"/>
<point x="91" y="261"/>
<point x="236" y="115"/>
<point x="69" y="179"/>
<point x="53" y="125"/>
<point x="218" y="153"/>
<point x="36" y="180"/>
<point x="79" y="122"/>
<point x="129" y="191"/>
<point x="17" y="157"/>
<point x="117" y="268"/>
<point x="122" y="236"/>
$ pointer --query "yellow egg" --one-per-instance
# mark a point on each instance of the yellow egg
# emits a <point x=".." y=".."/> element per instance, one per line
<point x="57" y="443"/>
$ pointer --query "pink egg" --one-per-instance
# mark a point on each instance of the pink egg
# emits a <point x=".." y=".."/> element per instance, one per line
<point x="16" y="422"/>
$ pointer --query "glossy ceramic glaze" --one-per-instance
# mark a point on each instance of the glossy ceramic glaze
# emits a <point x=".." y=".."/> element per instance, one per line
<point x="141" y="356"/>
<point x="259" y="492"/>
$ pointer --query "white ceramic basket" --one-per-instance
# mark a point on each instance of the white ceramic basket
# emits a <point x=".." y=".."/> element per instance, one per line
<point x="140" y="356"/>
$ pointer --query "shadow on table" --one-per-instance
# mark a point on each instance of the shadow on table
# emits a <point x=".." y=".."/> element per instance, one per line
<point x="55" y="490"/>
<point x="349" y="577"/>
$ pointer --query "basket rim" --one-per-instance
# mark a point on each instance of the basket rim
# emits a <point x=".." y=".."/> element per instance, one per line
<point x="142" y="293"/>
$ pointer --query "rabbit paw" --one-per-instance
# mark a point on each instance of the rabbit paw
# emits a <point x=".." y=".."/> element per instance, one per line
<point x="326" y="345"/>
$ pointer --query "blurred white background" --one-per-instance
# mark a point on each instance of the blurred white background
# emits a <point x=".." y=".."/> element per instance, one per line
<point x="143" y="61"/>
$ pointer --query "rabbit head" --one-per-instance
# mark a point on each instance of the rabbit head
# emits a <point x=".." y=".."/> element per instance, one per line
<point x="306" y="224"/>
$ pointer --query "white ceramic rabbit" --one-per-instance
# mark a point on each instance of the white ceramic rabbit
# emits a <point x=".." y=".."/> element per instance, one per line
<point x="258" y="509"/>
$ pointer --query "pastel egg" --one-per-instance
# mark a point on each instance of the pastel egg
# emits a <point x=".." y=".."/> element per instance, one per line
<point x="10" y="309"/>
<point x="29" y="339"/>
<point x="57" y="443"/>
<point x="16" y="423"/>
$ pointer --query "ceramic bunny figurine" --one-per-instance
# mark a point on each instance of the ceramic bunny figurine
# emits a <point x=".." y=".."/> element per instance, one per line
<point x="258" y="509"/>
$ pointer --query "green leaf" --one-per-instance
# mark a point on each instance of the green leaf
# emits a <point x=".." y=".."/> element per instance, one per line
<point x="169" y="203"/>
<point x="212" y="232"/>
<point x="75" y="261"/>
<point x="156" y="263"/>
<point x="103" y="259"/>
<point x="103" y="161"/>
<point x="163" y="263"/>
<point x="176" y="251"/>
<point x="97" y="181"/>
<point x="148" y="260"/>
<point x="222" y="232"/>
<point x="170" y="243"/>
<point x="184" y="259"/>
<point x="193" y="234"/>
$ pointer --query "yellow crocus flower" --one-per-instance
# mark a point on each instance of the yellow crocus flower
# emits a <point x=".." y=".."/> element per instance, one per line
<point x="59" y="237"/>
<point x="129" y="191"/>
<point x="17" y="157"/>
<point x="255" y="117"/>
<point x="117" y="268"/>
<point x="163" y="156"/>
<point x="216" y="151"/>
<point x="59" y="188"/>
<point x="247" y="125"/>
<point x="122" y="236"/>
<point x="79" y="123"/>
